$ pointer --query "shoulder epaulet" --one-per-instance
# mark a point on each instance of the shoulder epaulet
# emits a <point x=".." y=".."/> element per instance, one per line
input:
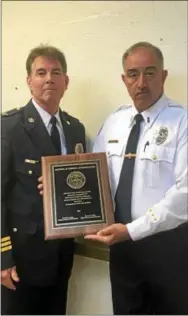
<point x="70" y="118"/>
<point x="122" y="107"/>
<point x="174" y="105"/>
<point x="112" y="114"/>
<point x="11" y="112"/>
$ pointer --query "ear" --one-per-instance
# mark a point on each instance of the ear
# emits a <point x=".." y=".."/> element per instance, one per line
<point x="123" y="77"/>
<point x="29" y="82"/>
<point x="165" y="75"/>
<point x="66" y="82"/>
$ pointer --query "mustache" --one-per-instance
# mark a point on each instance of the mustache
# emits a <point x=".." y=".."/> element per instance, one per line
<point x="141" y="91"/>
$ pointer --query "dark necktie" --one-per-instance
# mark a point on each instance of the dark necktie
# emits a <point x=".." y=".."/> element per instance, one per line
<point x="124" y="191"/>
<point x="55" y="135"/>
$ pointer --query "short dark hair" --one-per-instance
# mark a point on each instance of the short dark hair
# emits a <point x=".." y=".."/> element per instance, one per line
<point x="130" y="50"/>
<point x="46" y="51"/>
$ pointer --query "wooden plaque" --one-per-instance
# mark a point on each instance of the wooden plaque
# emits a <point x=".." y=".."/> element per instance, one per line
<point x="76" y="195"/>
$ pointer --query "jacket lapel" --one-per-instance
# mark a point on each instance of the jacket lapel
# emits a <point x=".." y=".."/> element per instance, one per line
<point x="37" y="131"/>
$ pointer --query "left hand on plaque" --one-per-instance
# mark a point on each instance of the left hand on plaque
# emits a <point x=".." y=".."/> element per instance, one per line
<point x="40" y="185"/>
<point x="110" y="235"/>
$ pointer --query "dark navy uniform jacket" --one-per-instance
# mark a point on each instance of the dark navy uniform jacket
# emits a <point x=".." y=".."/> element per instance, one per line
<point x="24" y="139"/>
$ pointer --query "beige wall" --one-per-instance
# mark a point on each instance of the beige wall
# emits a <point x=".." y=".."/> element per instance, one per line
<point x="93" y="35"/>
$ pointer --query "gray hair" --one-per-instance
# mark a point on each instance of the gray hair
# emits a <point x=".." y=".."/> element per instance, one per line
<point x="130" y="50"/>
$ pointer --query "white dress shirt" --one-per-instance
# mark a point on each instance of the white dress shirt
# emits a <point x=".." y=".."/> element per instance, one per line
<point x="159" y="193"/>
<point x="45" y="116"/>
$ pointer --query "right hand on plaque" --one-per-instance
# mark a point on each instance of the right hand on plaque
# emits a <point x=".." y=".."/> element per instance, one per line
<point x="111" y="234"/>
<point x="40" y="185"/>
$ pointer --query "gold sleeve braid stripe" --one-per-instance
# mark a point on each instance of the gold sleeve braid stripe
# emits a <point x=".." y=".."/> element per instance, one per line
<point x="6" y="248"/>
<point x="6" y="244"/>
<point x="5" y="239"/>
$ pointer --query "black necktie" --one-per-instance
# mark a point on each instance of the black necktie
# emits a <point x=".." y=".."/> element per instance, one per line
<point x="55" y="135"/>
<point x="124" y="191"/>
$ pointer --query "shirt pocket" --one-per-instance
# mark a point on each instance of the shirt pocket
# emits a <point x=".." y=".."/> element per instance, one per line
<point x="115" y="150"/>
<point x="30" y="169"/>
<point x="27" y="175"/>
<point x="157" y="165"/>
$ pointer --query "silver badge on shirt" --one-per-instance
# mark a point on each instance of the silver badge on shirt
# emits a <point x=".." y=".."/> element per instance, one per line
<point x="161" y="135"/>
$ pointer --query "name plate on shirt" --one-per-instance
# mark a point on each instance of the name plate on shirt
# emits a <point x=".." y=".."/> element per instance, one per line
<point x="76" y="195"/>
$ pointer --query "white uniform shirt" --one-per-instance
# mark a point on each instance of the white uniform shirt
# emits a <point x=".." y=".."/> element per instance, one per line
<point x="159" y="193"/>
<point x="46" y="117"/>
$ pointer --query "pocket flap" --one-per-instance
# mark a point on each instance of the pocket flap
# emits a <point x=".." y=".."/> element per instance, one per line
<point x="30" y="169"/>
<point x="158" y="153"/>
<point x="115" y="149"/>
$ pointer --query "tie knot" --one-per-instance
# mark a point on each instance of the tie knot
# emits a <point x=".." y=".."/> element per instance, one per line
<point x="53" y="120"/>
<point x="138" y="118"/>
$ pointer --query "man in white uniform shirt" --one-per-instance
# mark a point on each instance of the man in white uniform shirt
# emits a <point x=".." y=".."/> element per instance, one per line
<point x="146" y="146"/>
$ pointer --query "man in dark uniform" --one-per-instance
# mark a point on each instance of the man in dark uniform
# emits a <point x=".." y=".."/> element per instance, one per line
<point x="35" y="272"/>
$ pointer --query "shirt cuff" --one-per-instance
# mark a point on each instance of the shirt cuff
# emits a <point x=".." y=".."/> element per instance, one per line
<point x="139" y="228"/>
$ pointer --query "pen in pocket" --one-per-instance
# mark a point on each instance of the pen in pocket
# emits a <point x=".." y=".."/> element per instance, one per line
<point x="146" y="144"/>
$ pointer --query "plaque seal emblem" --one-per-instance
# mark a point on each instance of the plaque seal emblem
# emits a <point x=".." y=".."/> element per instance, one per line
<point x="79" y="149"/>
<point x="76" y="180"/>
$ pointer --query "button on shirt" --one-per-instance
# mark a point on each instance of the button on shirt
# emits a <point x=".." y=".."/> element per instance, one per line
<point x="45" y="116"/>
<point x="159" y="192"/>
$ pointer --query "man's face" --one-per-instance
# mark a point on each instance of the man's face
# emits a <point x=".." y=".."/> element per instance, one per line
<point x="47" y="82"/>
<point x="144" y="77"/>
